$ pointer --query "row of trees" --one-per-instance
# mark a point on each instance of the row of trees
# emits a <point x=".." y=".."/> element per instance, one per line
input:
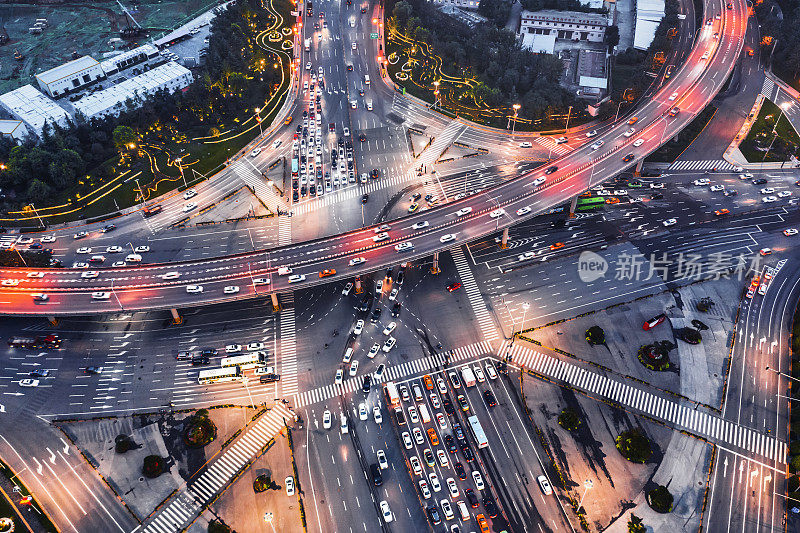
<point x="506" y="73"/>
<point x="233" y="79"/>
<point x="779" y="29"/>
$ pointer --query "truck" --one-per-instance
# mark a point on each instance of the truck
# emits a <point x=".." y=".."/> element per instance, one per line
<point x="42" y="341"/>
<point x="308" y="44"/>
<point x="468" y="377"/>
<point x="392" y="396"/>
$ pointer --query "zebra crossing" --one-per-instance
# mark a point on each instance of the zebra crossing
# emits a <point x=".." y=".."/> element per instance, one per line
<point x="713" y="428"/>
<point x="288" y="347"/>
<point x="440" y="143"/>
<point x="393" y="373"/>
<point x="482" y="315"/>
<point x="707" y="164"/>
<point x="768" y="88"/>
<point x="266" y="193"/>
<point x="347" y="193"/>
<point x="549" y="143"/>
<point x="187" y="503"/>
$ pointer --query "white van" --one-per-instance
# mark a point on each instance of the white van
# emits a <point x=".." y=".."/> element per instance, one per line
<point x="344" y="427"/>
<point x="462" y="508"/>
<point x="284" y="271"/>
<point x="133" y="258"/>
<point x="348" y="354"/>
<point x="366" y="79"/>
<point x="423" y="413"/>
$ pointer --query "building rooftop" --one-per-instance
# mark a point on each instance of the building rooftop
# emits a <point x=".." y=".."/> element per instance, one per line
<point x="7" y="126"/>
<point x="569" y="17"/>
<point x="112" y="62"/>
<point x="67" y="69"/>
<point x="33" y="107"/>
<point x="592" y="63"/>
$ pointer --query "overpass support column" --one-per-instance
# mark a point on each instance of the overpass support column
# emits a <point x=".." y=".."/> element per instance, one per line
<point x="359" y="288"/>
<point x="53" y="320"/>
<point x="572" y="205"/>
<point x="435" y="267"/>
<point x="275" y="305"/>
<point x="504" y="239"/>
<point x="176" y="318"/>
<point x="638" y="170"/>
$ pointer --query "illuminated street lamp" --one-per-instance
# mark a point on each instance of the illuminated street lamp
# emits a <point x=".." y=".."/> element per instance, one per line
<point x="516" y="110"/>
<point x="587" y="484"/>
<point x="436" y="93"/>
<point x="782" y="374"/>
<point x="258" y="119"/>
<point x="180" y="167"/>
<point x="621" y="101"/>
<point x="569" y="112"/>
<point x="525" y="308"/>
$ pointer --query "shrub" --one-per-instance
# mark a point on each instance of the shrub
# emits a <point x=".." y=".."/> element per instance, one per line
<point x="660" y="499"/>
<point x="634" y="446"/>
<point x="689" y="335"/>
<point x="199" y="430"/>
<point x="218" y="527"/>
<point x="262" y="483"/>
<point x="654" y="356"/>
<point x="122" y="443"/>
<point x="794" y="483"/>
<point x="635" y="525"/>
<point x="153" y="466"/>
<point x="568" y="419"/>
<point x="595" y="336"/>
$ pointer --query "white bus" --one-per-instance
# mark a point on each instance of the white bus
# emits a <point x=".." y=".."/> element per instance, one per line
<point x="477" y="431"/>
<point x="392" y="395"/>
<point x="247" y="360"/>
<point x="215" y="375"/>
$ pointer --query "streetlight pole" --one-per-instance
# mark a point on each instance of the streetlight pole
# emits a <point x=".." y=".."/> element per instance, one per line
<point x="569" y="112"/>
<point x="783" y="374"/>
<point x="525" y="308"/>
<point x="37" y="214"/>
<point x="436" y="94"/>
<point x="258" y="119"/>
<point x="782" y="108"/>
<point x="587" y="484"/>
<point x="516" y="110"/>
<point x="141" y="194"/>
<point x="180" y="167"/>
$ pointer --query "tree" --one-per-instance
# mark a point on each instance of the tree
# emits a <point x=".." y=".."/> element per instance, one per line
<point x="38" y="191"/>
<point x="402" y="12"/>
<point x="595" y="336"/>
<point x="612" y="36"/>
<point x="123" y="136"/>
<point x="216" y="526"/>
<point x="497" y="11"/>
<point x="635" y="525"/>
<point x="634" y="446"/>
<point x="153" y="466"/>
<point x="568" y="419"/>
<point x="660" y="499"/>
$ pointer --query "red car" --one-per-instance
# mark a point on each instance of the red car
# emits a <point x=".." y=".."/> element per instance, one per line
<point x="453" y="287"/>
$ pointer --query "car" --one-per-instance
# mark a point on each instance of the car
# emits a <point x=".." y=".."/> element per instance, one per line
<point x="759" y="181"/>
<point x="433" y="515"/>
<point x="362" y="408"/>
<point x="39" y="373"/>
<point x="462" y="402"/>
<point x="428" y="455"/>
<point x="629" y="132"/>
<point x="389" y="344"/>
<point x="406" y="397"/>
<point x="524" y="210"/>
<point x="289" y="481"/>
<point x="327" y="272"/>
<point x="15" y="282"/>
<point x="83" y="250"/>
<point x="488" y="397"/>
<point x="88" y="274"/>
<point x="353" y="367"/>
<point x="479" y="375"/>
<point x="525" y="144"/>
<point x="490" y="506"/>
<point x="497" y="213"/>
<point x="393" y="294"/>
<point x="463" y="211"/>
<point x="447" y="237"/>
<point x="296" y="278"/>
<point x="450" y="443"/>
<point x="80" y="235"/>
<point x="470" y="494"/>
<point x="404" y="246"/>
<point x="769" y="199"/>
<point x="433" y="437"/>
<point x="377" y="415"/>
<point x="423" y="485"/>
<point x="551" y="169"/>
<point x="627" y="158"/>
<point x="441" y="420"/>
<point x="597" y="144"/>
<point x="434" y="479"/>
<point x="716" y="188"/>
<point x="418" y="438"/>
<point x="100" y="295"/>
<point x="784" y="194"/>
<point x="93" y="370"/>
<point x="230" y="289"/>
<point x="765" y="252"/>
<point x="390" y="327"/>
<point x="669" y="222"/>
<point x="767" y="190"/>
<point x="190" y="193"/>
<point x="327" y="420"/>
<point x="416" y="466"/>
<point x="638" y="142"/>
<point x="435" y="401"/>
<point x="544" y="484"/>
<point x="452" y="487"/>
<point x="453" y="286"/>
<point x="39" y="297"/>
<point x="789" y="232"/>
<point x="386" y="512"/>
<point x="357" y="261"/>
<point x="447" y="509"/>
<point x="721" y="212"/>
<point x="380" y="237"/>
<point x="379" y="372"/>
<point x="441" y="385"/>
<point x="420" y="225"/>
<point x="29" y="382"/>
<point x="337" y="380"/>
<point x="256" y="346"/>
<point x="407" y="439"/>
<point x="48" y="239"/>
<point x="701" y="182"/>
<point x="557" y="246"/>
<point x="80" y="265"/>
<point x="118" y="264"/>
<point x="657" y="185"/>
<point x="482" y="525"/>
<point x="188" y="207"/>
<point x="347" y="288"/>
<point x="442" y="457"/>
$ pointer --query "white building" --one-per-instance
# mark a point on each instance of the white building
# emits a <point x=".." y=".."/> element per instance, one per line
<point x="648" y="16"/>
<point x="33" y="108"/>
<point x="114" y="100"/>
<point x="466" y="4"/>
<point x="592" y="71"/>
<point x="128" y="59"/>
<point x="13" y="128"/>
<point x="70" y="77"/>
<point x="568" y="25"/>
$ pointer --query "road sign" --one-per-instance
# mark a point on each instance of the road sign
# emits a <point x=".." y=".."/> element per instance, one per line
<point x="373" y="35"/>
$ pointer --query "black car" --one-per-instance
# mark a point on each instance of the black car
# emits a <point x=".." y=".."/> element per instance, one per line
<point x="93" y="370"/>
<point x="450" y="442"/>
<point x="433" y="515"/>
<point x="471" y="498"/>
<point x="367" y="384"/>
<point x="396" y="309"/>
<point x="730" y="192"/>
<point x="389" y="275"/>
<point x="295" y="196"/>
<point x="490" y="506"/>
<point x="416" y="196"/>
<point x="362" y="137"/>
<point x="759" y="181"/>
<point x="467" y="451"/>
<point x="375" y="471"/>
<point x="448" y="406"/>
<point x="659" y="196"/>
<point x="209" y="352"/>
<point x="376" y="315"/>
<point x="200" y="360"/>
<point x="39" y="373"/>
<point x="627" y="158"/>
<point x="462" y="474"/>
<point x="108" y="227"/>
<point x="365" y="198"/>
<point x="366" y="303"/>
<point x="374" y="174"/>
<point x="488" y="397"/>
<point x="458" y="431"/>
<point x="550" y="170"/>
<point x="269" y="378"/>
<point x="401" y="276"/>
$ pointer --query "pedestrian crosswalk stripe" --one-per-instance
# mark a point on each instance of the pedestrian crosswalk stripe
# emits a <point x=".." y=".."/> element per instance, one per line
<point x="768" y="87"/>
<point x="482" y="315"/>
<point x="706" y="425"/>
<point x="719" y="164"/>
<point x="288" y="347"/>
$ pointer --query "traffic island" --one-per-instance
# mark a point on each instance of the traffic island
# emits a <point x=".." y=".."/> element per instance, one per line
<point x="655" y="356"/>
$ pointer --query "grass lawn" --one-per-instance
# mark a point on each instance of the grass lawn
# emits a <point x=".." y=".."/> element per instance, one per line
<point x="761" y="135"/>
<point x="670" y="151"/>
<point x="34" y="517"/>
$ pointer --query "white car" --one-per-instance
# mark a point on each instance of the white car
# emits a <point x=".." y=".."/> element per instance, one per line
<point x="447" y="510"/>
<point x="435" y="482"/>
<point x="478" y="374"/>
<point x="188" y="207"/>
<point x="327" y="419"/>
<point x="591" y="134"/>
<point x="255" y="152"/>
<point x="435" y="401"/>
<point x="80" y="235"/>
<point x="339" y="377"/>
<point x="440" y="419"/>
<point x="256" y="346"/>
<point x="638" y="142"/>
<point x="233" y="348"/>
<point x="561" y="140"/>
<point x="597" y="144"/>
<point x="84" y="250"/>
<point x="701" y="181"/>
<point x="539" y="181"/>
<point x="90" y="274"/>
<point x="523" y="211"/>
<point x="497" y="213"/>
<point x="347" y="288"/>
<point x="28" y="382"/>
<point x="170" y="275"/>
<point x="452" y="487"/>
<point x="373" y="351"/>
<point x="35" y="274"/>
<point x="379" y="287"/>
<point x="47" y="239"/>
<point x="784" y="194"/>
<point x="389" y="328"/>
<point x="525" y="144"/>
<point x="463" y="211"/>
<point x="442" y="457"/>
<point x="490" y="371"/>
<point x="769" y="199"/>
<point x="39" y="297"/>
<point x="359" y="327"/>
<point x="289" y="485"/>
<point x="424" y="489"/>
<point x="393" y="294"/>
<point x="545" y="485"/>
<point x="657" y="185"/>
<point x="191" y="193"/>
<point x="669" y="222"/>
<point x="362" y="412"/>
<point x="673" y="96"/>
<point x="357" y="261"/>
<point x="389" y="344"/>
<point x="715" y="188"/>
<point x="80" y="265"/>
<point x="353" y="367"/>
<point x="478" y="479"/>
<point x="789" y="232"/>
<point x="447" y="237"/>
<point x="418" y="436"/>
<point x="261" y="281"/>
<point x="767" y="190"/>
<point x="114" y="250"/>
<point x="99" y="295"/>
<point x="385" y="511"/>
<point x="413" y="415"/>
<point x="118" y="264"/>
<point x="407" y="442"/>
<point x="420" y="225"/>
<point x="230" y="289"/>
<point x="376" y="414"/>
<point x="403" y="246"/>
<point x="297" y="278"/>
<point x="526" y="256"/>
<point x="346" y="132"/>
<point x="380" y="237"/>
<point x="441" y="384"/>
<point x="142" y="249"/>
<point x="277" y="143"/>
<point x="415" y="465"/>
<point x="629" y="133"/>
<point x="12" y="282"/>
<point x="194" y="289"/>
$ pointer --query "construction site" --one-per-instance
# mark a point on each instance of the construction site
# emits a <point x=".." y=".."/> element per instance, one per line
<point x="38" y="35"/>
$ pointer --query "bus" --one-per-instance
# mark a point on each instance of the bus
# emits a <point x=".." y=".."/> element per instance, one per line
<point x="295" y="168"/>
<point x="586" y="204"/>
<point x="247" y="360"/>
<point x="477" y="431"/>
<point x="391" y="394"/>
<point x="216" y="375"/>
